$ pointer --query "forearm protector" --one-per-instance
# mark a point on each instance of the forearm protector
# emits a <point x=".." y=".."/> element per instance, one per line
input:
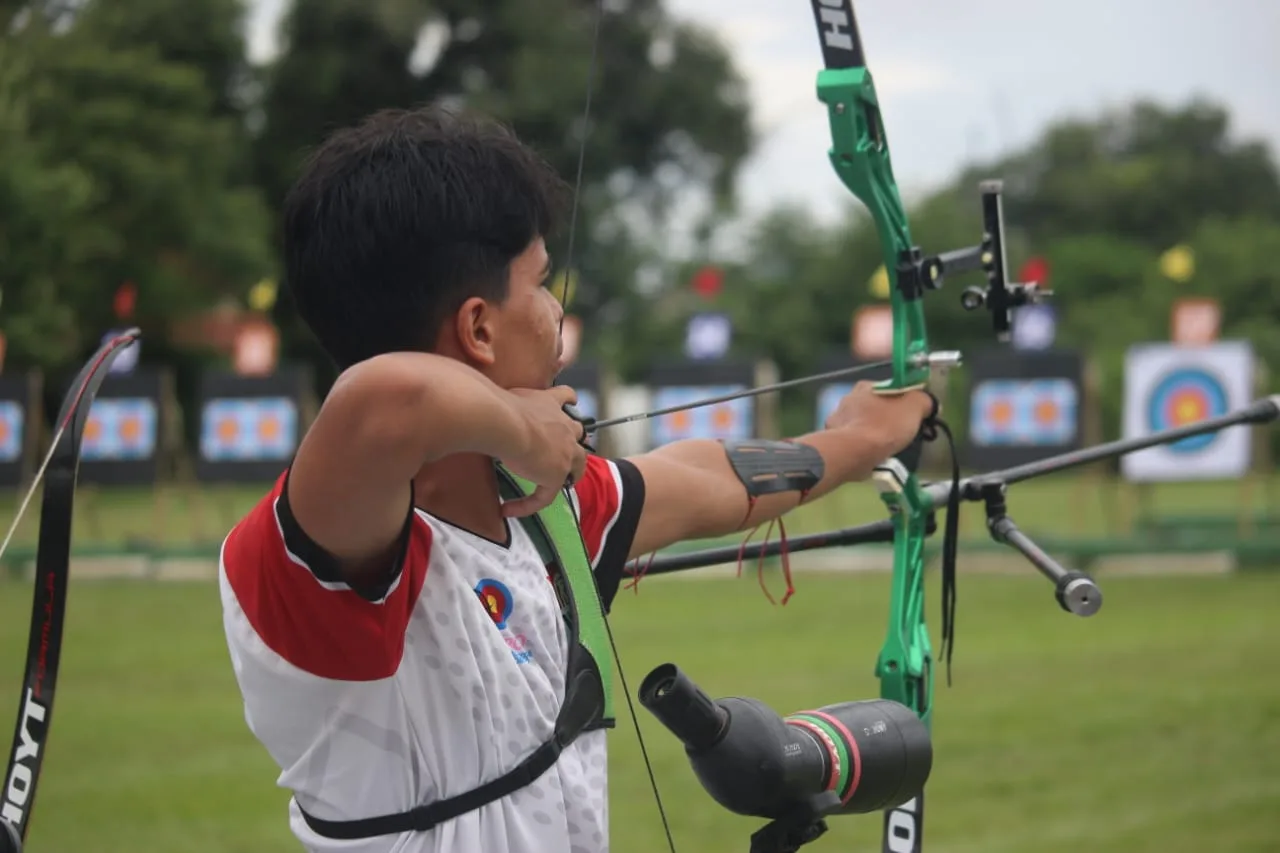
<point x="771" y="467"/>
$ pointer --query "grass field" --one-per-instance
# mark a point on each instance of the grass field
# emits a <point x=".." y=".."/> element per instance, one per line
<point x="1153" y="726"/>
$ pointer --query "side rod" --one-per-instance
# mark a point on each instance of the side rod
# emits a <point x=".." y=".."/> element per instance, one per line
<point x="1259" y="411"/>
<point x="971" y="489"/>
<point x="862" y="534"/>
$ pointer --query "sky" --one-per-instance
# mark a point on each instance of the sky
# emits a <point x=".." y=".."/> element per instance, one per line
<point x="966" y="79"/>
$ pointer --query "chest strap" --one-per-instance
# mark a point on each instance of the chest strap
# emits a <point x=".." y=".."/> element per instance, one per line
<point x="588" y="695"/>
<point x="423" y="818"/>
<point x="558" y="538"/>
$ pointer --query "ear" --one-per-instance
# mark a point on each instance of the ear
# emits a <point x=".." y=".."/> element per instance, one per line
<point x="475" y="325"/>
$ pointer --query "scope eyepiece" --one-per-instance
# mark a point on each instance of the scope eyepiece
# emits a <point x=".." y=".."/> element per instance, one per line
<point x="683" y="708"/>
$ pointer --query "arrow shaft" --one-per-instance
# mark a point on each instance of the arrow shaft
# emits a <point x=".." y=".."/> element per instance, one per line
<point x="738" y="395"/>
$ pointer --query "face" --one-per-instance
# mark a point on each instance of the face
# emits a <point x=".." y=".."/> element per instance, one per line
<point x="516" y="343"/>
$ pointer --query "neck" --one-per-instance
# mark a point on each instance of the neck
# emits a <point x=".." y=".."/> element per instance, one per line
<point x="463" y="490"/>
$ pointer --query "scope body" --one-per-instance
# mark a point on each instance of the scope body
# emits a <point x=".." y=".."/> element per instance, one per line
<point x="872" y="755"/>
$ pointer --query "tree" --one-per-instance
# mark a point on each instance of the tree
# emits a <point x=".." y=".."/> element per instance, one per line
<point x="154" y="199"/>
<point x="1146" y="174"/>
<point x="669" y="114"/>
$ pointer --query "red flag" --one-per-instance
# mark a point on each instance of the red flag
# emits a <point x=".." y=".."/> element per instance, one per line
<point x="708" y="281"/>
<point x="125" y="299"/>
<point x="1034" y="271"/>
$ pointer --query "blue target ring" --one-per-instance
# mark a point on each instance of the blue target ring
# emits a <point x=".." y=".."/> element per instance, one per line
<point x="1183" y="397"/>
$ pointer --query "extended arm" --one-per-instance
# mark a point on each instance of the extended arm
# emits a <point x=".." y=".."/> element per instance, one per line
<point x="695" y="490"/>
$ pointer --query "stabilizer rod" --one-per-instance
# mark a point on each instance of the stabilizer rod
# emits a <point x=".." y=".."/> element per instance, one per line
<point x="863" y="534"/>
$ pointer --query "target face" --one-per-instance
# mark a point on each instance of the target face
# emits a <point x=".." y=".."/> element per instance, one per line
<point x="1184" y="397"/>
<point x="248" y="429"/>
<point x="120" y="429"/>
<point x="1024" y="412"/>
<point x="1168" y="386"/>
<point x="723" y="422"/>
<point x="12" y="419"/>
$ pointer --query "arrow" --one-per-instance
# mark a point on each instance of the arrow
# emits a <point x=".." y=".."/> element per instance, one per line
<point x="593" y="426"/>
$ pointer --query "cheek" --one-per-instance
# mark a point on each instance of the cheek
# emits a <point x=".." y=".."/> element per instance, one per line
<point x="540" y="316"/>
<point x="549" y="299"/>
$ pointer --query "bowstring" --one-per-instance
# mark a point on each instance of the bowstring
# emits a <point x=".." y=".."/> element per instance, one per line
<point x="53" y="448"/>
<point x="582" y="159"/>
<point x="564" y="299"/>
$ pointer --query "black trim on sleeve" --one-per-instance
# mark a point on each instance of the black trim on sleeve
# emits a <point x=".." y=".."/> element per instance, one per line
<point x="323" y="565"/>
<point x="617" y="544"/>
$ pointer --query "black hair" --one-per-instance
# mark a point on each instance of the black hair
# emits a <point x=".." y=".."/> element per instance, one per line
<point x="395" y="222"/>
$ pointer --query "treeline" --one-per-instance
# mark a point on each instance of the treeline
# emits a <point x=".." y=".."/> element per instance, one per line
<point x="139" y="143"/>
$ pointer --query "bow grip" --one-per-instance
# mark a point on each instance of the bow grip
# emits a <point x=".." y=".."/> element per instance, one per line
<point x="891" y="475"/>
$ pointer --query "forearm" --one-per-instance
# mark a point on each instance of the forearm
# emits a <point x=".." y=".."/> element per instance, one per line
<point x="708" y="498"/>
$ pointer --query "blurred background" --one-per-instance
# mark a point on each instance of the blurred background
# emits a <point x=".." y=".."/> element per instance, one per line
<point x="145" y="148"/>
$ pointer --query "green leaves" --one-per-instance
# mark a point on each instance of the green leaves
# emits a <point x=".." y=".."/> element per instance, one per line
<point x="115" y="166"/>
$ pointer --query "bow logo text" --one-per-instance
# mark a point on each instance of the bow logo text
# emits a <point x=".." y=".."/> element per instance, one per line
<point x="18" y="788"/>
<point x="835" y="24"/>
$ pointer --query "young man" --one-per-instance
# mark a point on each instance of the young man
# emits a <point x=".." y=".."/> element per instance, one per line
<point x="393" y="631"/>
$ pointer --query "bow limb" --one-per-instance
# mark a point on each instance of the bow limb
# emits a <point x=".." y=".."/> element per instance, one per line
<point x="53" y="559"/>
<point x="860" y="156"/>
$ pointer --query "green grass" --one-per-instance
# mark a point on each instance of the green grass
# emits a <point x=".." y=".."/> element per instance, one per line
<point x="1153" y="726"/>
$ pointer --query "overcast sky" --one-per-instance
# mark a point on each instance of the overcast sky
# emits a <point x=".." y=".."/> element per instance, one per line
<point x="974" y="77"/>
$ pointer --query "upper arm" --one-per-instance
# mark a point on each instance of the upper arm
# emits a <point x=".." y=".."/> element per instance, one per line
<point x="691" y="492"/>
<point x="608" y="500"/>
<point x="350" y="484"/>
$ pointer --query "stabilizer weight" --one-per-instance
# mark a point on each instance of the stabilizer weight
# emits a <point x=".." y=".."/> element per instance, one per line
<point x="1077" y="593"/>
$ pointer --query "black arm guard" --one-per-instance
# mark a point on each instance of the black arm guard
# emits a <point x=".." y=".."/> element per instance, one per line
<point x="770" y="467"/>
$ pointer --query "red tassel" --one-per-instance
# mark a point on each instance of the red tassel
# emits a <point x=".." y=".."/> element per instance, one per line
<point x="786" y="563"/>
<point x="636" y="575"/>
<point x="760" y="564"/>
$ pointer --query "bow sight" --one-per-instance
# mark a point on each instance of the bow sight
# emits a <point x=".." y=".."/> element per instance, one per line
<point x="1000" y="296"/>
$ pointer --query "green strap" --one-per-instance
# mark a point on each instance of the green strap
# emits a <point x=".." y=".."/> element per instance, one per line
<point x="557" y="536"/>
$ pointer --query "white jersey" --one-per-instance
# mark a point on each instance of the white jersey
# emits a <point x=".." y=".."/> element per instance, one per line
<point x="372" y="707"/>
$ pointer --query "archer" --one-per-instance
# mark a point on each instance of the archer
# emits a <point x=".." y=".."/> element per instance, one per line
<point x="399" y="650"/>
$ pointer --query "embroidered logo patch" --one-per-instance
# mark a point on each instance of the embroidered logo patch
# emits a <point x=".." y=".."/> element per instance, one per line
<point x="496" y="599"/>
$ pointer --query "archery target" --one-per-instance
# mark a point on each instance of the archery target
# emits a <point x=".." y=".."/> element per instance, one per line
<point x="727" y="421"/>
<point x="249" y="429"/>
<point x="120" y="429"/>
<point x="12" y="420"/>
<point x="1169" y="386"/>
<point x="1036" y="412"/>
<point x="1186" y="396"/>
